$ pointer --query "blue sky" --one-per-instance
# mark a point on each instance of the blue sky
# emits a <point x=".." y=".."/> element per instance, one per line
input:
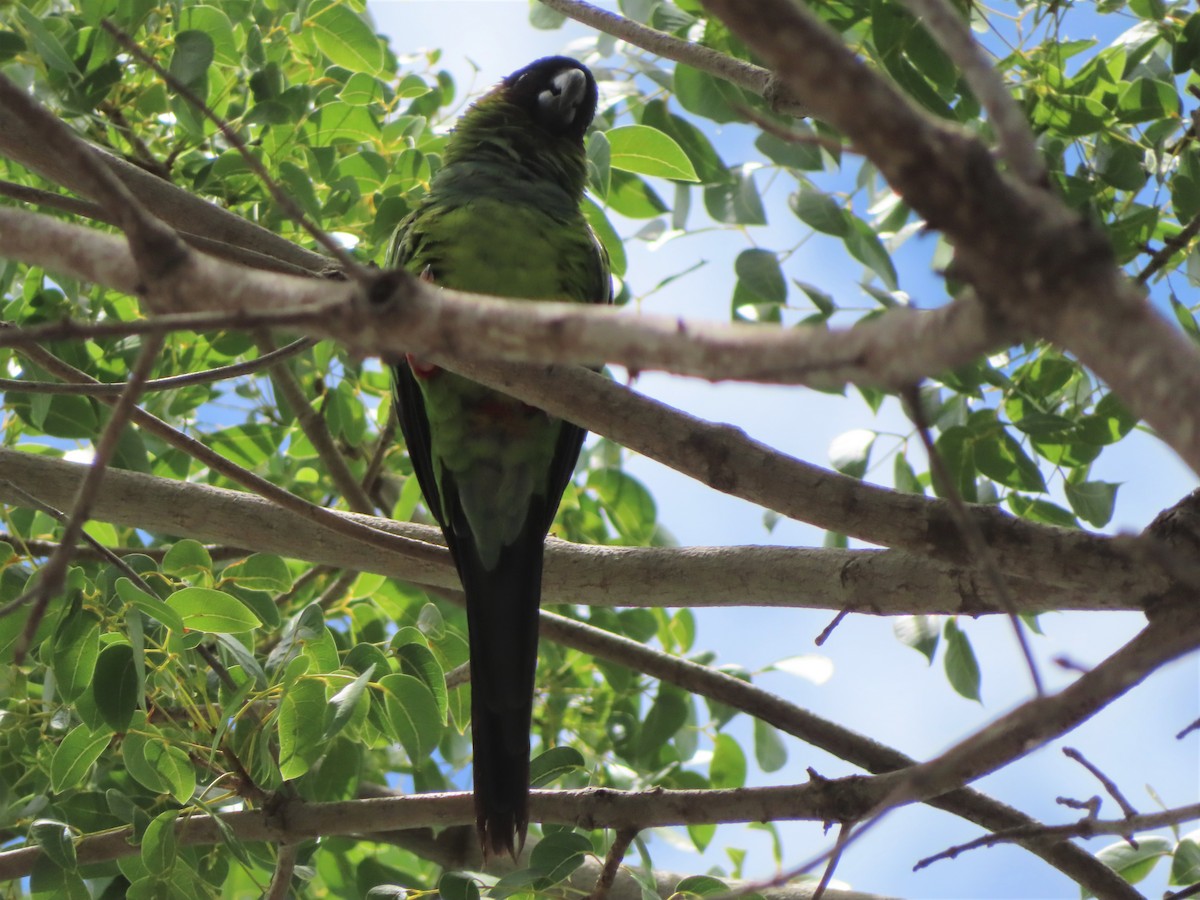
<point x="878" y="687"/>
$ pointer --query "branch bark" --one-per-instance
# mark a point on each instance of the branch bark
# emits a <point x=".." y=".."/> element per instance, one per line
<point x="406" y="315"/>
<point x="1033" y="261"/>
<point x="872" y="582"/>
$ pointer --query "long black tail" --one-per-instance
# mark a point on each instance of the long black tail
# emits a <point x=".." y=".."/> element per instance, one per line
<point x="502" y="616"/>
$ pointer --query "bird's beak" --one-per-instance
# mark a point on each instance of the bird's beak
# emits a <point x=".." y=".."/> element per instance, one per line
<point x="560" y="102"/>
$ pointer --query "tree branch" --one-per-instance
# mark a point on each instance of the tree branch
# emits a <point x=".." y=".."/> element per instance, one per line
<point x="867" y="581"/>
<point x="406" y="315"/>
<point x="745" y="75"/>
<point x="1034" y="261"/>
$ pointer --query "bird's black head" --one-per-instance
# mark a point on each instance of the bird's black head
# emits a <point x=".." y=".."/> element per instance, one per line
<point x="558" y="92"/>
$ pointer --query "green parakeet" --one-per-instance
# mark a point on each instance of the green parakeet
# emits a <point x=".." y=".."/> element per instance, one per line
<point x="502" y="217"/>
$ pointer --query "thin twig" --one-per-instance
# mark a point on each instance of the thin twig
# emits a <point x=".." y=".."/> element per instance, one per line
<point x="834" y="858"/>
<point x="68" y="329"/>
<point x="218" y="552"/>
<point x="1109" y="784"/>
<point x="387" y="440"/>
<point x="1192" y="891"/>
<point x="207" y="376"/>
<point x="285" y="865"/>
<point x="1086" y="828"/>
<point x="828" y="629"/>
<point x="61" y="517"/>
<point x="954" y="36"/>
<point x="743" y="74"/>
<point x="155" y="247"/>
<point x="793" y="137"/>
<point x="971" y="532"/>
<point x="1170" y="247"/>
<point x="434" y="554"/>
<point x="314" y="428"/>
<point x="53" y="573"/>
<point x="612" y="863"/>
<point x="289" y="206"/>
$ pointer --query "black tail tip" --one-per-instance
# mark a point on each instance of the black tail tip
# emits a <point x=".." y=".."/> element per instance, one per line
<point x="501" y="832"/>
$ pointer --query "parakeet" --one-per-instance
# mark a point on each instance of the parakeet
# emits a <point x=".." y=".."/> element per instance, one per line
<point x="502" y="217"/>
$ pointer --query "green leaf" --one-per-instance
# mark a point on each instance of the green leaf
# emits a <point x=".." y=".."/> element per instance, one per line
<point x="769" y="749"/>
<point x="865" y="246"/>
<point x="187" y="559"/>
<point x="736" y="202"/>
<point x="1092" y="501"/>
<point x="962" y="669"/>
<point x="204" y="609"/>
<point x="1108" y="422"/>
<point x="214" y="23"/>
<point x="261" y="572"/>
<point x="648" y="151"/>
<point x="1145" y="99"/>
<point x="608" y="236"/>
<point x="630" y="196"/>
<point x="850" y="452"/>
<point x="668" y="713"/>
<point x="62" y="416"/>
<point x="956" y="447"/>
<point x="627" y="503"/>
<point x="707" y="163"/>
<point x="904" y="477"/>
<point x="344" y="703"/>
<point x="76" y="648"/>
<point x="1186" y="52"/>
<point x="193" y="54"/>
<point x="48" y="48"/>
<point x="345" y="38"/>
<point x="417" y="659"/>
<point x="1185" y="864"/>
<point x="133" y="754"/>
<point x="796" y="154"/>
<point x="918" y="632"/>
<point x="55" y="840"/>
<point x="1037" y="510"/>
<point x="551" y="765"/>
<point x="301" y="726"/>
<point x="174" y="767"/>
<point x="759" y="274"/>
<point x="457" y="886"/>
<point x="819" y="211"/>
<point x="705" y="95"/>
<point x="599" y="164"/>
<point x="51" y="882"/>
<point x="728" y="766"/>
<point x="115" y="685"/>
<point x="559" y="854"/>
<point x="1003" y="460"/>
<point x="702" y="886"/>
<point x="76" y="754"/>
<point x="1135" y="864"/>
<point x="414" y="714"/>
<point x="159" y="845"/>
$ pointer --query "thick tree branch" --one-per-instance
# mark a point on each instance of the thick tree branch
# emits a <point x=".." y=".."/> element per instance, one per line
<point x="590" y="808"/>
<point x="953" y="35"/>
<point x="408" y="316"/>
<point x="434" y="554"/>
<point x="173" y="205"/>
<point x="1035" y="262"/>
<point x="867" y="581"/>
<point x="727" y="460"/>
